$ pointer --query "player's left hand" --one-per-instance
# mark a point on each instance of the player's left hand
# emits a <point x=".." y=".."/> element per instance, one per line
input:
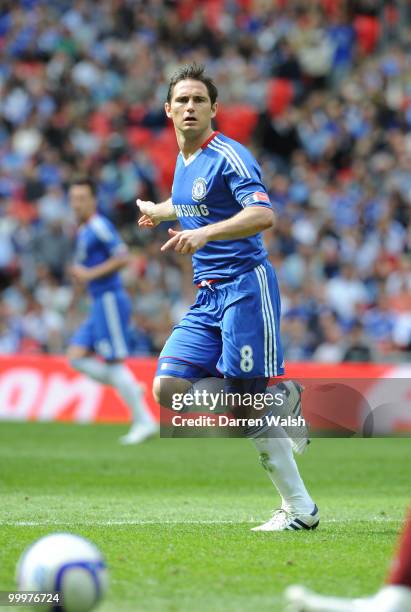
<point x="186" y="242"/>
<point x="80" y="274"/>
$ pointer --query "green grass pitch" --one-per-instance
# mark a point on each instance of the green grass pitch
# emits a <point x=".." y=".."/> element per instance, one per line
<point x="173" y="516"/>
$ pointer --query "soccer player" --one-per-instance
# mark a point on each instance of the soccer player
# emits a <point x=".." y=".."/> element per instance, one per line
<point x="232" y="330"/>
<point x="395" y="596"/>
<point x="100" y="255"/>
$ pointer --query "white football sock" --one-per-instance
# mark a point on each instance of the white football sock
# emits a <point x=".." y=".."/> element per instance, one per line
<point x="132" y="393"/>
<point x="276" y="456"/>
<point x="118" y="376"/>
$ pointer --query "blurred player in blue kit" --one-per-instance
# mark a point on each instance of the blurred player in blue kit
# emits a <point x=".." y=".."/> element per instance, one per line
<point x="232" y="330"/>
<point x="100" y="255"/>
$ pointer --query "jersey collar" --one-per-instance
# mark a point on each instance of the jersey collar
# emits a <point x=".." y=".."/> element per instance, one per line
<point x="209" y="139"/>
<point x="205" y="144"/>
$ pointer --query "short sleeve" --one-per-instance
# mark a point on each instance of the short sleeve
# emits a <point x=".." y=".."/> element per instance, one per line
<point x="242" y="175"/>
<point x="109" y="237"/>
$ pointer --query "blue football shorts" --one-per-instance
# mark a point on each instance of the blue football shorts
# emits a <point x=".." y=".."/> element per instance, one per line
<point x="105" y="331"/>
<point x="232" y="330"/>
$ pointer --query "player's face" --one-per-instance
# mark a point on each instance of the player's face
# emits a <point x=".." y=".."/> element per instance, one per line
<point x="82" y="202"/>
<point x="190" y="107"/>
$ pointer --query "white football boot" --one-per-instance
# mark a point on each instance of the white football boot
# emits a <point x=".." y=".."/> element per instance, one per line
<point x="391" y="598"/>
<point x="139" y="433"/>
<point x="290" y="521"/>
<point x="292" y="391"/>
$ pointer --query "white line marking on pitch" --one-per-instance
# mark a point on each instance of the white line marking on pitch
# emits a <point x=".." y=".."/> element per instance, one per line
<point x="114" y="523"/>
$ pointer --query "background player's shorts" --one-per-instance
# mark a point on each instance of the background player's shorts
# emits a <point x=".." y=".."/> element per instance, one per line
<point x="105" y="331"/>
<point x="232" y="330"/>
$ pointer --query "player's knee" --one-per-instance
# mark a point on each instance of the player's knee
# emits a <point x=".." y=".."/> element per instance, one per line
<point x="165" y="388"/>
<point x="75" y="355"/>
<point x="76" y="352"/>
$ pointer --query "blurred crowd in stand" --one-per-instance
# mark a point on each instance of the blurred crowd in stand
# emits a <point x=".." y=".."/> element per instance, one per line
<point x="319" y="90"/>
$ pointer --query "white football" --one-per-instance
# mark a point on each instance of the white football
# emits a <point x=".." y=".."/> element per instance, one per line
<point x="66" y="563"/>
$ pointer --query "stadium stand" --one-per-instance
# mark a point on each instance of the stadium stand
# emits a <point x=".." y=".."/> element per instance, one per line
<point x="320" y="90"/>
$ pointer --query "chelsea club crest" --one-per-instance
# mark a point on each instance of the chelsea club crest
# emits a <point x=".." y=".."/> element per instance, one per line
<point x="199" y="189"/>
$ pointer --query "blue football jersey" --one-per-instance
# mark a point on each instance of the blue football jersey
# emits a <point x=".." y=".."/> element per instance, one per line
<point x="97" y="241"/>
<point x="214" y="184"/>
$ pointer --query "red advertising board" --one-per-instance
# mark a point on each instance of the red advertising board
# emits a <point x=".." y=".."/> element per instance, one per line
<point x="46" y="388"/>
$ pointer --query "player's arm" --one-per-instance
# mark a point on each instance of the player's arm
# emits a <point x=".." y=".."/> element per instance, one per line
<point x="114" y="251"/>
<point x="78" y="287"/>
<point x="85" y="274"/>
<point x="153" y="214"/>
<point x="247" y="222"/>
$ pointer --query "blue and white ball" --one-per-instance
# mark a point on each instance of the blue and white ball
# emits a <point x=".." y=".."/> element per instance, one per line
<point x="66" y="563"/>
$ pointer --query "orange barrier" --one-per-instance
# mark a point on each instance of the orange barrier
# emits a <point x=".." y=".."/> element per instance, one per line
<point x="46" y="388"/>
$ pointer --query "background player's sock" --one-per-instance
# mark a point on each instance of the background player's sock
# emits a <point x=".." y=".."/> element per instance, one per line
<point x="277" y="458"/>
<point x="118" y="376"/>
<point x="401" y="567"/>
<point x="131" y="391"/>
<point x="90" y="366"/>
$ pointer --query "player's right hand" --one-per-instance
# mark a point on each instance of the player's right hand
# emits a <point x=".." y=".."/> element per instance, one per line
<point x="148" y="217"/>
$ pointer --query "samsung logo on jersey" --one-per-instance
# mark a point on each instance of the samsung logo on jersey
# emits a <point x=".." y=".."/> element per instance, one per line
<point x="191" y="210"/>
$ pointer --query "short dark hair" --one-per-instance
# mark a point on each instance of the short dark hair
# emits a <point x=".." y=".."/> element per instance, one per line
<point x="84" y="180"/>
<point x="196" y="73"/>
